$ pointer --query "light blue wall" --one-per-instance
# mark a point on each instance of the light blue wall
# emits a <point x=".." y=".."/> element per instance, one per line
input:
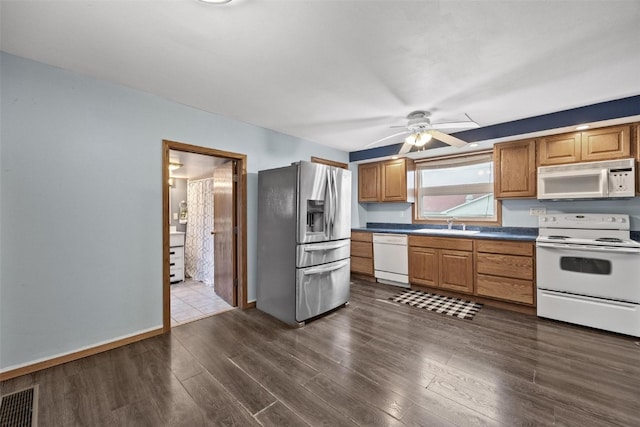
<point x="515" y="213"/>
<point x="81" y="219"/>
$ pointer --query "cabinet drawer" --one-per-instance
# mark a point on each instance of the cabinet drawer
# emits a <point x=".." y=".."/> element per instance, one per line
<point x="505" y="288"/>
<point x="176" y="253"/>
<point x="176" y="274"/>
<point x="520" y="267"/>
<point x="441" y="243"/>
<point x="505" y="247"/>
<point x="176" y="239"/>
<point x="362" y="265"/>
<point x="361" y="236"/>
<point x="361" y="249"/>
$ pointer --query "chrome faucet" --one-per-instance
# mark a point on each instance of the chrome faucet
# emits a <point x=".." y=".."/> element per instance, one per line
<point x="464" y="226"/>
<point x="449" y="223"/>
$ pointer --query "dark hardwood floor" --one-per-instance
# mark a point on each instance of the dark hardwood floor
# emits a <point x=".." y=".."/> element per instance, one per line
<point x="371" y="363"/>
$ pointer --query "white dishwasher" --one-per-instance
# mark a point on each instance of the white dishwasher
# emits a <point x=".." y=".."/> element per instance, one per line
<point x="391" y="259"/>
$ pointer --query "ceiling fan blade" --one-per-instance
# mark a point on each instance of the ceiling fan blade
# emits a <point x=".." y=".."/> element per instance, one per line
<point x="455" y="125"/>
<point x="385" y="138"/>
<point x="447" y="139"/>
<point x="406" y="147"/>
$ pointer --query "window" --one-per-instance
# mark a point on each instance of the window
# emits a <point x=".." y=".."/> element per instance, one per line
<point x="460" y="188"/>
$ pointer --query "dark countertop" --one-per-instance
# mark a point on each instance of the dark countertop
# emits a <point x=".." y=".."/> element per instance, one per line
<point x="496" y="233"/>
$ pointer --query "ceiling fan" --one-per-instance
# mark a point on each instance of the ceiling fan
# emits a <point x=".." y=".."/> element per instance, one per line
<point x="421" y="131"/>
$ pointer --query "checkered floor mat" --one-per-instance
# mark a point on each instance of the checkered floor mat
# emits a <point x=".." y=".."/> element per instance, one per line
<point x="446" y="305"/>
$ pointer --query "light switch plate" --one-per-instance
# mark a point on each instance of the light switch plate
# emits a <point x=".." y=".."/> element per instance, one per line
<point x="175" y="215"/>
<point x="537" y="211"/>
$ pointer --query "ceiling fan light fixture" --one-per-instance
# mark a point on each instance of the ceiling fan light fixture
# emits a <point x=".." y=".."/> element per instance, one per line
<point x="411" y="139"/>
<point x="422" y="138"/>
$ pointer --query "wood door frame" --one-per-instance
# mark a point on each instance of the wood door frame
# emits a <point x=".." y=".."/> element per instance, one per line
<point x="241" y="220"/>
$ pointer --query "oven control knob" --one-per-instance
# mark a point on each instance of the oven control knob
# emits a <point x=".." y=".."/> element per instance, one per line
<point x="553" y="219"/>
<point x="611" y="219"/>
<point x="544" y="219"/>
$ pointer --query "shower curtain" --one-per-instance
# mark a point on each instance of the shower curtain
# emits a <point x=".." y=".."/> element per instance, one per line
<point x="199" y="241"/>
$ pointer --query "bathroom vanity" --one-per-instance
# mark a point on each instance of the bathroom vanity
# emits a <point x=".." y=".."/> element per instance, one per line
<point x="176" y="256"/>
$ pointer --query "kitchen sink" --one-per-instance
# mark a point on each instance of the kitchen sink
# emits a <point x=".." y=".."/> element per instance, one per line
<point x="446" y="231"/>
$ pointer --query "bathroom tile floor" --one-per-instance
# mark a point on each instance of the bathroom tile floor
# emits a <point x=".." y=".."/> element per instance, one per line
<point x="192" y="300"/>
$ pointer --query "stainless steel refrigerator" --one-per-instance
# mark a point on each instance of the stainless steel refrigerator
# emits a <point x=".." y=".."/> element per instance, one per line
<point x="304" y="232"/>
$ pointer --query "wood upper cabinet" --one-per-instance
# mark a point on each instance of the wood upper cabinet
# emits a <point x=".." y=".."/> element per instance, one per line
<point x="362" y="252"/>
<point x="441" y="262"/>
<point x="606" y="143"/>
<point x="597" y="144"/>
<point x="514" y="169"/>
<point x="395" y="183"/>
<point x="388" y="181"/>
<point x="558" y="149"/>
<point x="636" y="145"/>
<point x="369" y="182"/>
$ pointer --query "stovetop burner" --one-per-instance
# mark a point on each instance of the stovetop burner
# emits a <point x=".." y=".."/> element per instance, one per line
<point x="587" y="230"/>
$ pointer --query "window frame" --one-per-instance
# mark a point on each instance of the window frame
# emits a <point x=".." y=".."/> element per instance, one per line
<point x="495" y="221"/>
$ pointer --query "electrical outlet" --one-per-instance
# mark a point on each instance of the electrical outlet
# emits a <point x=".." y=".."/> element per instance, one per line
<point x="401" y="214"/>
<point x="537" y="211"/>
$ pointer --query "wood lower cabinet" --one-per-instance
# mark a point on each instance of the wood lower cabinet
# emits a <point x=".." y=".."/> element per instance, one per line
<point x="505" y="270"/>
<point x="423" y="266"/>
<point x="515" y="169"/>
<point x="456" y="270"/>
<point x="362" y="253"/>
<point x="441" y="262"/>
<point x="608" y="143"/>
<point x="388" y="181"/>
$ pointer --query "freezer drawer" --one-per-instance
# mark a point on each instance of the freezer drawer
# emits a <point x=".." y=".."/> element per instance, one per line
<point x="322" y="253"/>
<point x="321" y="288"/>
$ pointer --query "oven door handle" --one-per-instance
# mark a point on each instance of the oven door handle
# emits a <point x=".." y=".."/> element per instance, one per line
<point x="569" y="246"/>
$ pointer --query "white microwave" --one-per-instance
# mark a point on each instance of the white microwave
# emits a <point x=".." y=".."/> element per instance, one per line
<point x="592" y="180"/>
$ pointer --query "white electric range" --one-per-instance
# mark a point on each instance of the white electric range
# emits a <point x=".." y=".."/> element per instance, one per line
<point x="588" y="271"/>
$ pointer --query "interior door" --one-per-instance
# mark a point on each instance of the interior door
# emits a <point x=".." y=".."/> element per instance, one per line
<point x="224" y="241"/>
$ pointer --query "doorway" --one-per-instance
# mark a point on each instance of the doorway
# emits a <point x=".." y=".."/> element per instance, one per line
<point x="227" y="230"/>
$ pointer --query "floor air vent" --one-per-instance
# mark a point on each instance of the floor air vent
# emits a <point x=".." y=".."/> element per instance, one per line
<point x="19" y="409"/>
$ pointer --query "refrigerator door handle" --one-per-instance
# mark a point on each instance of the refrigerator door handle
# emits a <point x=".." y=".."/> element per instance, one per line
<point x="320" y="270"/>
<point x="334" y="182"/>
<point x="329" y="246"/>
<point x="329" y="211"/>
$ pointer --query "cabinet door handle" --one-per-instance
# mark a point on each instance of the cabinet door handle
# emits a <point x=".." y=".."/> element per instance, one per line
<point x="172" y="275"/>
<point x="172" y="252"/>
<point x="172" y="264"/>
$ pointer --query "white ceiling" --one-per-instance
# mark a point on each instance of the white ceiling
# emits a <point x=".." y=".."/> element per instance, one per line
<point x="341" y="72"/>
